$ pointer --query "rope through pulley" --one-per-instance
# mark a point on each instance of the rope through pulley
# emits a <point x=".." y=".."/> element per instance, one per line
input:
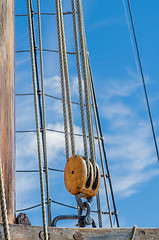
<point x="67" y="107"/>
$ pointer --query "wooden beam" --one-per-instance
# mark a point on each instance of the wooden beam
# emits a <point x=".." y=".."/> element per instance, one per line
<point x="7" y="102"/>
<point x="20" y="232"/>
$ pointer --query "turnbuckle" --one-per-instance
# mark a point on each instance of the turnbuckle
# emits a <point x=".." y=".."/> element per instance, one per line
<point x="83" y="220"/>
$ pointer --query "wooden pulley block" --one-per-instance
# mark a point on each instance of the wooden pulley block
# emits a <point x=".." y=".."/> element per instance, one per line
<point x="75" y="177"/>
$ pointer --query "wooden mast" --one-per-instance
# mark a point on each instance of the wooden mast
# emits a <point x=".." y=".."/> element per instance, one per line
<point x="7" y="108"/>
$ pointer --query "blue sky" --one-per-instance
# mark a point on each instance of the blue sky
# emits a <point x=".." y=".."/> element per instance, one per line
<point x="126" y="128"/>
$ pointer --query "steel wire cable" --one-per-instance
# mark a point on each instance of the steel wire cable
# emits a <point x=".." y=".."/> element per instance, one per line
<point x="44" y="50"/>
<point x="84" y="131"/>
<point x="62" y="81"/>
<point x="37" y="119"/>
<point x="47" y="14"/>
<point x="58" y="203"/>
<point x="44" y="121"/>
<point x="47" y="95"/>
<point x="143" y="80"/>
<point x="86" y="85"/>
<point x="131" y="39"/>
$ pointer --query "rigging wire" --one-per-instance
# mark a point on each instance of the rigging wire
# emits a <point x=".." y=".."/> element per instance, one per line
<point x="47" y="95"/>
<point x="53" y="130"/>
<point x="36" y="118"/>
<point x="43" y="129"/>
<point x="86" y="85"/>
<point x="47" y="14"/>
<point x="84" y="56"/>
<point x="39" y="93"/>
<point x="58" y="203"/>
<point x="131" y="39"/>
<point x="103" y="147"/>
<point x="143" y="79"/>
<point x="79" y="73"/>
<point x="45" y="50"/>
<point x="67" y="84"/>
<point x="35" y="171"/>
<point x="99" y="145"/>
<point x="62" y="81"/>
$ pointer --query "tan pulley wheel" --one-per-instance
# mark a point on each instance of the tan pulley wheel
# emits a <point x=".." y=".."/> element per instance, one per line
<point x="75" y="177"/>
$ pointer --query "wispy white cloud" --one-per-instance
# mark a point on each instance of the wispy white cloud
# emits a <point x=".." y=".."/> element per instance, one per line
<point x="53" y="85"/>
<point x="116" y="109"/>
<point x="130" y="146"/>
<point x="116" y="20"/>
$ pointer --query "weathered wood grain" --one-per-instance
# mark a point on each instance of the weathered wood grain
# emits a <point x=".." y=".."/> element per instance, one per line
<point x="75" y="176"/>
<point x="7" y="102"/>
<point x="19" y="232"/>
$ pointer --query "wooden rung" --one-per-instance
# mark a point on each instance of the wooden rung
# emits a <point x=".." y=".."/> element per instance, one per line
<point x="20" y="232"/>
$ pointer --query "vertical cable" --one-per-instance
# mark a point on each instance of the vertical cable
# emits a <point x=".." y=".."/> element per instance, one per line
<point x="68" y="94"/>
<point x="103" y="147"/>
<point x="62" y="80"/>
<point x="100" y="149"/>
<point x="85" y="144"/>
<point x="44" y="121"/>
<point x="86" y="85"/>
<point x="37" y="120"/>
<point x="87" y="88"/>
<point x="143" y="81"/>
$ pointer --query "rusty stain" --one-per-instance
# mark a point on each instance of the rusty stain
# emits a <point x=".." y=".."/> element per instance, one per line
<point x="77" y="236"/>
<point x="7" y="102"/>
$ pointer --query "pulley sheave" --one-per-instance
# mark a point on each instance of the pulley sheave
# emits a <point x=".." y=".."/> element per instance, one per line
<point x="76" y="179"/>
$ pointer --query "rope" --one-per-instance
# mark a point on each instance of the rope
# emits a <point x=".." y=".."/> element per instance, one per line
<point x="67" y="80"/>
<point x="44" y="122"/>
<point x="62" y="81"/>
<point x="37" y="120"/>
<point x="3" y="206"/>
<point x="143" y="81"/>
<point x="100" y="149"/>
<point x="132" y="236"/>
<point x="86" y="85"/>
<point x="103" y="146"/>
<point x="86" y="154"/>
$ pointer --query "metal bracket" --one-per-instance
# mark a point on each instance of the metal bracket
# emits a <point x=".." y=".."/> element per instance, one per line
<point x="83" y="220"/>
